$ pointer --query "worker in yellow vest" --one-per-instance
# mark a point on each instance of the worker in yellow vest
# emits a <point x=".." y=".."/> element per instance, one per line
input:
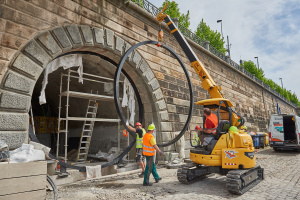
<point x="149" y="147"/>
<point x="140" y="132"/>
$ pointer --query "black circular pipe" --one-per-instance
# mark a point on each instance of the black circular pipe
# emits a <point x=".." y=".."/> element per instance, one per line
<point x="116" y="89"/>
<point x="141" y="117"/>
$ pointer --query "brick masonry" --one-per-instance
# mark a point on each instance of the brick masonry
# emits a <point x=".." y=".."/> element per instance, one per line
<point x="29" y="40"/>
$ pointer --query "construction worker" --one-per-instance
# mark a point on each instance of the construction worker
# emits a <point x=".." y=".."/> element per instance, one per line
<point x="210" y="125"/>
<point x="196" y="139"/>
<point x="139" y="145"/>
<point x="149" y="147"/>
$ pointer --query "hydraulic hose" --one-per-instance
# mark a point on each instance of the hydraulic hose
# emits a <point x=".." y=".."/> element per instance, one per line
<point x="116" y="89"/>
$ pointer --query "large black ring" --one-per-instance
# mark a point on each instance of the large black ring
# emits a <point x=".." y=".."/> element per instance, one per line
<point x="116" y="89"/>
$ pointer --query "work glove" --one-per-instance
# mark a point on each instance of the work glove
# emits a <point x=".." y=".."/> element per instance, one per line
<point x="127" y="123"/>
<point x="161" y="153"/>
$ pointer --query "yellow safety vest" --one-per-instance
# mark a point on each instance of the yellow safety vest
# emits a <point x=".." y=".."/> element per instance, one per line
<point x="139" y="141"/>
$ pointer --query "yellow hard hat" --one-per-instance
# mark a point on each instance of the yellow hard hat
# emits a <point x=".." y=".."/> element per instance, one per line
<point x="245" y="127"/>
<point x="233" y="129"/>
<point x="151" y="127"/>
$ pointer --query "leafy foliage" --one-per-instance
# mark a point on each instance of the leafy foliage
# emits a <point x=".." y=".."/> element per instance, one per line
<point x="214" y="37"/>
<point x="173" y="11"/>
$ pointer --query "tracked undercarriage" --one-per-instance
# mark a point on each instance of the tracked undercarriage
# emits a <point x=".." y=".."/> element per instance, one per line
<point x="238" y="181"/>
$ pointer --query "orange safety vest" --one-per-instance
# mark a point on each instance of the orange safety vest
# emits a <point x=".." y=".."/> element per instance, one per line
<point x="148" y="149"/>
<point x="214" y="119"/>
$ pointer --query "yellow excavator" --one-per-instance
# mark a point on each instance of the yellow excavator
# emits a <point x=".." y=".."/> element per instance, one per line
<point x="228" y="153"/>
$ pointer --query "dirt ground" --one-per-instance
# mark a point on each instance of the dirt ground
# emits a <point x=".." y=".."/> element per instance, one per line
<point x="282" y="181"/>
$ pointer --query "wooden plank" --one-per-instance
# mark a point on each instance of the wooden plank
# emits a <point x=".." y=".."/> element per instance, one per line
<point x="10" y="170"/>
<point x="22" y="184"/>
<point x="32" y="195"/>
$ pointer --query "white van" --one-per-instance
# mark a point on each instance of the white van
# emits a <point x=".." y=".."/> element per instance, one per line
<point x="284" y="131"/>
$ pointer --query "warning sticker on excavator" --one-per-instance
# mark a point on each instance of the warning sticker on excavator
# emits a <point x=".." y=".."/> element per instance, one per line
<point x="230" y="154"/>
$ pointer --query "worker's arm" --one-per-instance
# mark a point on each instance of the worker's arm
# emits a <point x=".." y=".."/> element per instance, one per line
<point x="157" y="149"/>
<point x="131" y="128"/>
<point x="205" y="130"/>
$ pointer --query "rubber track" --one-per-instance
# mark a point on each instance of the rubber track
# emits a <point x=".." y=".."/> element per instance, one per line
<point x="234" y="180"/>
<point x="182" y="174"/>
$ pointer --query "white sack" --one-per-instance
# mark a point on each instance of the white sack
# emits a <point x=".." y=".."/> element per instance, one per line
<point x="26" y="153"/>
<point x="66" y="62"/>
<point x="129" y="101"/>
<point x="93" y="171"/>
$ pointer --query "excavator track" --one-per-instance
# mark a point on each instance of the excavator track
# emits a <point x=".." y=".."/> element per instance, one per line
<point x="240" y="181"/>
<point x="187" y="174"/>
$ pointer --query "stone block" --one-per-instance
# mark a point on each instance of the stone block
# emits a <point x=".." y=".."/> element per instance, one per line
<point x="182" y="118"/>
<point x="87" y="34"/>
<point x="161" y="104"/>
<point x="13" y="100"/>
<point x="119" y="45"/>
<point x="187" y="144"/>
<point x="99" y="36"/>
<point x="144" y="66"/>
<point x="18" y="82"/>
<point x="169" y="148"/>
<point x="148" y="75"/>
<point x="166" y="136"/>
<point x="50" y="44"/>
<point x="26" y="65"/>
<point x="171" y="108"/>
<point x="187" y="153"/>
<point x="37" y="52"/>
<point x="158" y="94"/>
<point x="166" y="126"/>
<point x="74" y="33"/>
<point x="148" y="107"/>
<point x="62" y="37"/>
<point x="136" y="59"/>
<point x="154" y="84"/>
<point x="13" y="121"/>
<point x="181" y="102"/>
<point x="128" y="46"/>
<point x="14" y="139"/>
<point x="109" y="39"/>
<point x="164" y="116"/>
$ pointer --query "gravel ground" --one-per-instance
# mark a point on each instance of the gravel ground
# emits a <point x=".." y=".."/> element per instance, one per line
<point x="282" y="181"/>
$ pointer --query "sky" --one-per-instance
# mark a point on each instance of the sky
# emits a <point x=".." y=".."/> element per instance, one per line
<point x="268" y="29"/>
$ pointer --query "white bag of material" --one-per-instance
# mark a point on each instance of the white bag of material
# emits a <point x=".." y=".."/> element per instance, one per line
<point x="128" y="99"/>
<point x="93" y="171"/>
<point x="42" y="147"/>
<point x="26" y="153"/>
<point x="66" y="62"/>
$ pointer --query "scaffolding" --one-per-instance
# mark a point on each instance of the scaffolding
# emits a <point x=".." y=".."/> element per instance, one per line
<point x="68" y="93"/>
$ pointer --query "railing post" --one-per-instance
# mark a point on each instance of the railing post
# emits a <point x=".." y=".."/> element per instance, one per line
<point x="227" y="59"/>
<point x="176" y="21"/>
<point x="206" y="45"/>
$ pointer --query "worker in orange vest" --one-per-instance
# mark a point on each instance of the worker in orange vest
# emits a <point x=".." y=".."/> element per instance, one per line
<point x="149" y="147"/>
<point x="210" y="125"/>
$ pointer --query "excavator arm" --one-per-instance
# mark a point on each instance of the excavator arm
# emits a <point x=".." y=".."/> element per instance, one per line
<point x="206" y="81"/>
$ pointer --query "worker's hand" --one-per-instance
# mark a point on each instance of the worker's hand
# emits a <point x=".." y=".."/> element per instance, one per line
<point x="127" y="123"/>
<point x="161" y="152"/>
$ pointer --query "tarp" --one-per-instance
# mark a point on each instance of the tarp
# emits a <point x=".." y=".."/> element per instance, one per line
<point x="68" y="61"/>
<point x="129" y="100"/>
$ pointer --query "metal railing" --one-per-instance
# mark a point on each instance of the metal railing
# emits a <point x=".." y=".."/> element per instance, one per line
<point x="149" y="7"/>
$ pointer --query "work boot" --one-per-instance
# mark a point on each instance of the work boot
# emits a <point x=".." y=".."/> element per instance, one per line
<point x="157" y="180"/>
<point x="142" y="174"/>
<point x="147" y="184"/>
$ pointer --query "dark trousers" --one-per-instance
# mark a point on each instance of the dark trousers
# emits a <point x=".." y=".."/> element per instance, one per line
<point x="150" y="168"/>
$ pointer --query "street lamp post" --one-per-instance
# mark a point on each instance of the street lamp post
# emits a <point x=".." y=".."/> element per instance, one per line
<point x="281" y="83"/>
<point x="218" y="21"/>
<point x="257" y="61"/>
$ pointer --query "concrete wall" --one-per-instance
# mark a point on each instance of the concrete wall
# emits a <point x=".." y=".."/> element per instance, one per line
<point x="34" y="32"/>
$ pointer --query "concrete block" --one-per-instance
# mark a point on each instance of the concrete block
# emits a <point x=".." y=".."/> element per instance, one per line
<point x="187" y="153"/>
<point x="26" y="65"/>
<point x="164" y="116"/>
<point x="187" y="144"/>
<point x="87" y="34"/>
<point x="136" y="59"/>
<point x="50" y="44"/>
<point x="13" y="121"/>
<point x="13" y="100"/>
<point x="166" y="126"/>
<point x="158" y="94"/>
<point x="18" y="82"/>
<point x="148" y="75"/>
<point x="74" y="33"/>
<point x="62" y="37"/>
<point x="128" y="46"/>
<point x="119" y="45"/>
<point x="14" y="139"/>
<point x="173" y="156"/>
<point x="154" y="84"/>
<point x="37" y="52"/>
<point x="171" y="108"/>
<point x="109" y="38"/>
<point x="161" y="104"/>
<point x="144" y="66"/>
<point x="99" y="39"/>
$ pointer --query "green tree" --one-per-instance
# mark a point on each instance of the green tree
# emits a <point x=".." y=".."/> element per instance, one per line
<point x="173" y="11"/>
<point x="252" y="68"/>
<point x="214" y="37"/>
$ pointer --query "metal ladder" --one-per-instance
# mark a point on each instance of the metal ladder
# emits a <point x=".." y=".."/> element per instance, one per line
<point x="87" y="131"/>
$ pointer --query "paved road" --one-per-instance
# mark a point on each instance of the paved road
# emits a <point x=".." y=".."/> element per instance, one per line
<point x="282" y="181"/>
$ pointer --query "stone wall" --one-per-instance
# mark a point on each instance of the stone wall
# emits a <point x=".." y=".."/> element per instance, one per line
<point x="33" y="32"/>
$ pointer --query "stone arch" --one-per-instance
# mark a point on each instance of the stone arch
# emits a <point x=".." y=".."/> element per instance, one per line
<point x="19" y="80"/>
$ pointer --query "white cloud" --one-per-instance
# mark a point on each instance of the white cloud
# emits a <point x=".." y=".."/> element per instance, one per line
<point x="269" y="29"/>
